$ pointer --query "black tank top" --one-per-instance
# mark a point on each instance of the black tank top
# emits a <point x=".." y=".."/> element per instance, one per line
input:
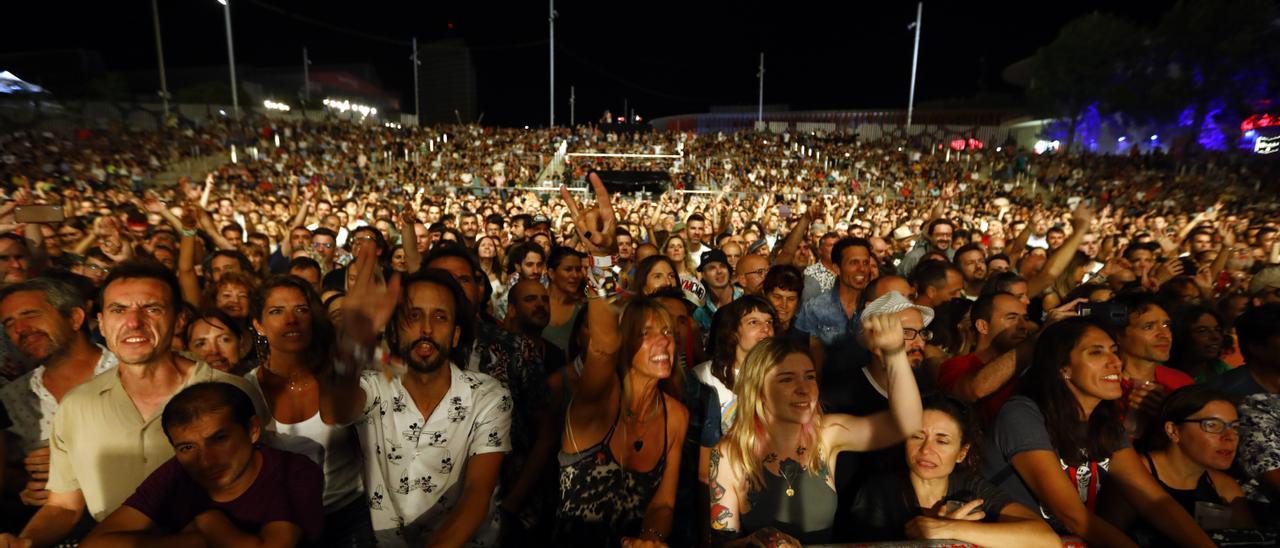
<point x="602" y="502"/>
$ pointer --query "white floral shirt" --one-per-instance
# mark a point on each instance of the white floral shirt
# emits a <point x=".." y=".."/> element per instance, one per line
<point x="415" y="466"/>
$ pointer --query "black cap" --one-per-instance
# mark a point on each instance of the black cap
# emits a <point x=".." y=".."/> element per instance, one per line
<point x="714" y="256"/>
<point x="540" y="220"/>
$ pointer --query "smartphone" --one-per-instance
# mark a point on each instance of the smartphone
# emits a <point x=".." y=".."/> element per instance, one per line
<point x="1111" y="313"/>
<point x="39" y="214"/>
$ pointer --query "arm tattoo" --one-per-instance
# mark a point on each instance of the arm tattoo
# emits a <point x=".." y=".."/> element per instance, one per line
<point x="720" y="513"/>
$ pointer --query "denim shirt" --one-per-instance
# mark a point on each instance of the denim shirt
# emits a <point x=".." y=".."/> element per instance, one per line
<point x="823" y="317"/>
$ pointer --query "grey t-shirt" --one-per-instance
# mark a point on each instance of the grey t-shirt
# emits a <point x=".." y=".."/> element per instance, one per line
<point x="1020" y="427"/>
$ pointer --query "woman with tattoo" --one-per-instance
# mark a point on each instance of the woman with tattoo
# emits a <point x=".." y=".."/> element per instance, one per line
<point x="771" y="476"/>
<point x="942" y="494"/>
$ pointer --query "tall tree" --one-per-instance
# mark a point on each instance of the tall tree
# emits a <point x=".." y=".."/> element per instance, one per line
<point x="1089" y="62"/>
<point x="1213" y="51"/>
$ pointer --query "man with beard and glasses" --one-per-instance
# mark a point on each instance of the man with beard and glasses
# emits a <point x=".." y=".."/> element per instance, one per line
<point x="45" y="319"/>
<point x="868" y="394"/>
<point x="112" y="418"/>
<point x="433" y="439"/>
<point x="222" y="488"/>
<point x="529" y="314"/>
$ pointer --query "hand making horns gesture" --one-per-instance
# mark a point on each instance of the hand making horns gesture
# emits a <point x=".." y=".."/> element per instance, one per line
<point x="597" y="227"/>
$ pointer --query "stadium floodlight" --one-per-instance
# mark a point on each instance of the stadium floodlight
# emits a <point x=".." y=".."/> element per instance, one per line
<point x="231" y="58"/>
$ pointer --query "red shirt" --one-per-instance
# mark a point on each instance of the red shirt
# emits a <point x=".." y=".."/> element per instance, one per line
<point x="1169" y="378"/>
<point x="954" y="369"/>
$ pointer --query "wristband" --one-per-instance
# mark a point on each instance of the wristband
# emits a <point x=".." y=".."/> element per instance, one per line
<point x="188" y="233"/>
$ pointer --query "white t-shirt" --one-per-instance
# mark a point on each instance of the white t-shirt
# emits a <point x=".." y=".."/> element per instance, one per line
<point x="414" y="467"/>
<point x="728" y="401"/>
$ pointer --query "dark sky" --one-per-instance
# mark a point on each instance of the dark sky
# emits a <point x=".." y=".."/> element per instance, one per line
<point x="664" y="57"/>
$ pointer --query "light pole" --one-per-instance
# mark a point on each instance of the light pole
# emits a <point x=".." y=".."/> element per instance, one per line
<point x="231" y="59"/>
<point x="760" y="107"/>
<point x="915" y="58"/>
<point x="417" y="108"/>
<point x="306" y="75"/>
<point x="164" y="85"/>
<point x="551" y="22"/>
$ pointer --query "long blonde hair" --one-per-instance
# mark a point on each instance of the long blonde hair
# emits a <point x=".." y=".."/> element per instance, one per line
<point x="747" y="439"/>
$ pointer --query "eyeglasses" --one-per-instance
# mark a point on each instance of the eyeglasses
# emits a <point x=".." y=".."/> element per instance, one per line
<point x="909" y="334"/>
<point x="1214" y="426"/>
<point x="1202" y="330"/>
<point x="99" y="268"/>
<point x="757" y="272"/>
<point x="326" y="245"/>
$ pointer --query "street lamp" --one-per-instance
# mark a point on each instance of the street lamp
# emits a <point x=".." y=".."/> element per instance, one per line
<point x="231" y="58"/>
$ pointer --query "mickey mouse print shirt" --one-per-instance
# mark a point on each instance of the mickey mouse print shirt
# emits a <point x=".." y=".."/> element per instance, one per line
<point x="415" y="466"/>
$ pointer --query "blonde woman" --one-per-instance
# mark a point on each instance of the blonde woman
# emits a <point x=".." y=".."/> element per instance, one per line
<point x="771" y="476"/>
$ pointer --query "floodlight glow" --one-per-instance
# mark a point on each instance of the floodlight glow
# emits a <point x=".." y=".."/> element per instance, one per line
<point x="274" y="105"/>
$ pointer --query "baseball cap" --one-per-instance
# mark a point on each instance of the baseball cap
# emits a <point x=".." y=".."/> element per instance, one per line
<point x="540" y="220"/>
<point x="1267" y="278"/>
<point x="893" y="303"/>
<point x="714" y="256"/>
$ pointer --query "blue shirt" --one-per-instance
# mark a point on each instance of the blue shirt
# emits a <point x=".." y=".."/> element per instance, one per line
<point x="708" y="309"/>
<point x="823" y="317"/>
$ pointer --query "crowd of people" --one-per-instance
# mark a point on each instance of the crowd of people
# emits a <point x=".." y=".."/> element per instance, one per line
<point x="358" y="335"/>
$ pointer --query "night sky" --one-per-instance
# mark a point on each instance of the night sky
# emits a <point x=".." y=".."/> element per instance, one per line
<point x="664" y="57"/>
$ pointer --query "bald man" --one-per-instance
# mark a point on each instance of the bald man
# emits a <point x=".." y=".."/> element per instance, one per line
<point x="528" y="313"/>
<point x="751" y="272"/>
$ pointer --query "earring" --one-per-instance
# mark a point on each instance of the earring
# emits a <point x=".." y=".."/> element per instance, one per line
<point x="262" y="350"/>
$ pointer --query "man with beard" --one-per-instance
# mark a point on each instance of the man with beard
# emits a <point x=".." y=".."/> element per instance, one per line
<point x="939" y="234"/>
<point x="867" y="394"/>
<point x="529" y="314"/>
<point x="986" y="377"/>
<point x="717" y="277"/>
<point x="45" y="319"/>
<point x="433" y="439"/>
<point x="513" y="360"/>
<point x="112" y="417"/>
<point x="972" y="262"/>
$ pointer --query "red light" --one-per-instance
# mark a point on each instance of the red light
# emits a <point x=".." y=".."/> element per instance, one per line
<point x="450" y="25"/>
<point x="1259" y="121"/>
<point x="957" y="144"/>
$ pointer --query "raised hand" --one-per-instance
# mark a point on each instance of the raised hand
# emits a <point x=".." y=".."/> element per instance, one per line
<point x="884" y="333"/>
<point x="1082" y="217"/>
<point x="370" y="302"/>
<point x="596" y="227"/>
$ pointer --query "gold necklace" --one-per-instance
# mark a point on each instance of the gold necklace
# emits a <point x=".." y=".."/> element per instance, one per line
<point x="791" y="491"/>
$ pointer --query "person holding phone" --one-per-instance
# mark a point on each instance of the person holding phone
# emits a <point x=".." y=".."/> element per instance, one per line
<point x="941" y="495"/>
<point x="1188" y="453"/>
